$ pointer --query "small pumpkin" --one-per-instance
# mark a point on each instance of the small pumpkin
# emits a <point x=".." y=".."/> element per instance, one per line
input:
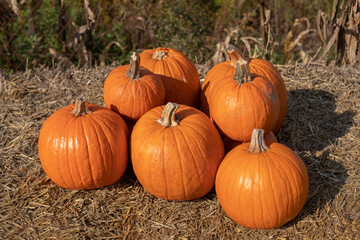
<point x="175" y="152"/>
<point x="242" y="102"/>
<point x="83" y="146"/>
<point x="131" y="90"/>
<point x="179" y="74"/>
<point x="261" y="186"/>
<point x="231" y="144"/>
<point x="259" y="67"/>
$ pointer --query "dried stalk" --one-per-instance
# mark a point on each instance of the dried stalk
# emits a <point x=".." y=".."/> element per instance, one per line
<point x="345" y="33"/>
<point x="291" y="42"/>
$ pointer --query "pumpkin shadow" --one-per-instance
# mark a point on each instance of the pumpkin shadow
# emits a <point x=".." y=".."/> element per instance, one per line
<point x="189" y="97"/>
<point x="312" y="125"/>
<point x="184" y="113"/>
<point x="326" y="177"/>
<point x="203" y="100"/>
<point x="128" y="179"/>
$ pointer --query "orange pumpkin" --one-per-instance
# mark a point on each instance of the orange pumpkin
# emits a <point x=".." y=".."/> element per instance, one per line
<point x="231" y="144"/>
<point x="83" y="146"/>
<point x="179" y="75"/>
<point x="242" y="102"/>
<point x="175" y="152"/>
<point x="257" y="66"/>
<point x="261" y="186"/>
<point x="131" y="90"/>
<point x="219" y="71"/>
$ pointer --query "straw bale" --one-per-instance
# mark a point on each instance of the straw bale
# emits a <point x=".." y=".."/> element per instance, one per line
<point x="322" y="126"/>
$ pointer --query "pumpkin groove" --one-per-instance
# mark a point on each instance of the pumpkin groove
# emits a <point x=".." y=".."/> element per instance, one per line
<point x="89" y="155"/>
<point x="275" y="205"/>
<point x="71" y="151"/>
<point x="199" y="148"/>
<point x="59" y="149"/>
<point x="72" y="164"/>
<point x="181" y="157"/>
<point x="103" y="136"/>
<point x="289" y="187"/>
<point x="78" y="131"/>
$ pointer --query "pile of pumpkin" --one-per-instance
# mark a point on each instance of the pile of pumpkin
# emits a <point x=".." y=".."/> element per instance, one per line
<point x="177" y="151"/>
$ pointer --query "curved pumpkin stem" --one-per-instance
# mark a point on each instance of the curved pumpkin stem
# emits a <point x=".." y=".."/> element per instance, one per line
<point x="234" y="54"/>
<point x="257" y="143"/>
<point x="160" y="55"/>
<point x="242" y="71"/>
<point x="168" y="116"/>
<point x="81" y="107"/>
<point x="134" y="68"/>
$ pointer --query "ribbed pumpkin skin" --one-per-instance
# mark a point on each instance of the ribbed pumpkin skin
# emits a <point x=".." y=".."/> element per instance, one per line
<point x="239" y="108"/>
<point x="85" y="152"/>
<point x="262" y="190"/>
<point x="178" y="73"/>
<point x="257" y="66"/>
<point x="217" y="72"/>
<point x="131" y="98"/>
<point x="230" y="144"/>
<point x="176" y="163"/>
<point x="265" y="68"/>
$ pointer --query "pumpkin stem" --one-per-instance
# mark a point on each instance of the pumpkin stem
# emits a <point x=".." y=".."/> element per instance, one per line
<point x="134" y="68"/>
<point x="168" y="116"/>
<point x="257" y="143"/>
<point x="160" y="55"/>
<point x="242" y="71"/>
<point x="234" y="54"/>
<point x="81" y="107"/>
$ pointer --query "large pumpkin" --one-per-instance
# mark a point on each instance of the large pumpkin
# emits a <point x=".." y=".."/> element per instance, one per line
<point x="83" y="146"/>
<point x="131" y="90"/>
<point x="175" y="152"/>
<point x="242" y="102"/>
<point x="179" y="75"/>
<point x="257" y="66"/>
<point x="261" y="186"/>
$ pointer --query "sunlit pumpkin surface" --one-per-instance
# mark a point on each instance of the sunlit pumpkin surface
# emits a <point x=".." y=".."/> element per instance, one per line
<point x="262" y="190"/>
<point x="179" y="75"/>
<point x="132" y="95"/>
<point x="257" y="66"/>
<point x="180" y="162"/>
<point x="84" y="152"/>
<point x="239" y="108"/>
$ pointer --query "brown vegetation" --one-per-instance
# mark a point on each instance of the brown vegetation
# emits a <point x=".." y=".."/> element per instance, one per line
<point x="96" y="33"/>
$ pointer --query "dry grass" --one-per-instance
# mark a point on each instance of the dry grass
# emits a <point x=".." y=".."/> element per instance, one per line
<point x="322" y="126"/>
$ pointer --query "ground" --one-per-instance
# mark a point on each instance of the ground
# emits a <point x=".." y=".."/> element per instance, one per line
<point x="322" y="126"/>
